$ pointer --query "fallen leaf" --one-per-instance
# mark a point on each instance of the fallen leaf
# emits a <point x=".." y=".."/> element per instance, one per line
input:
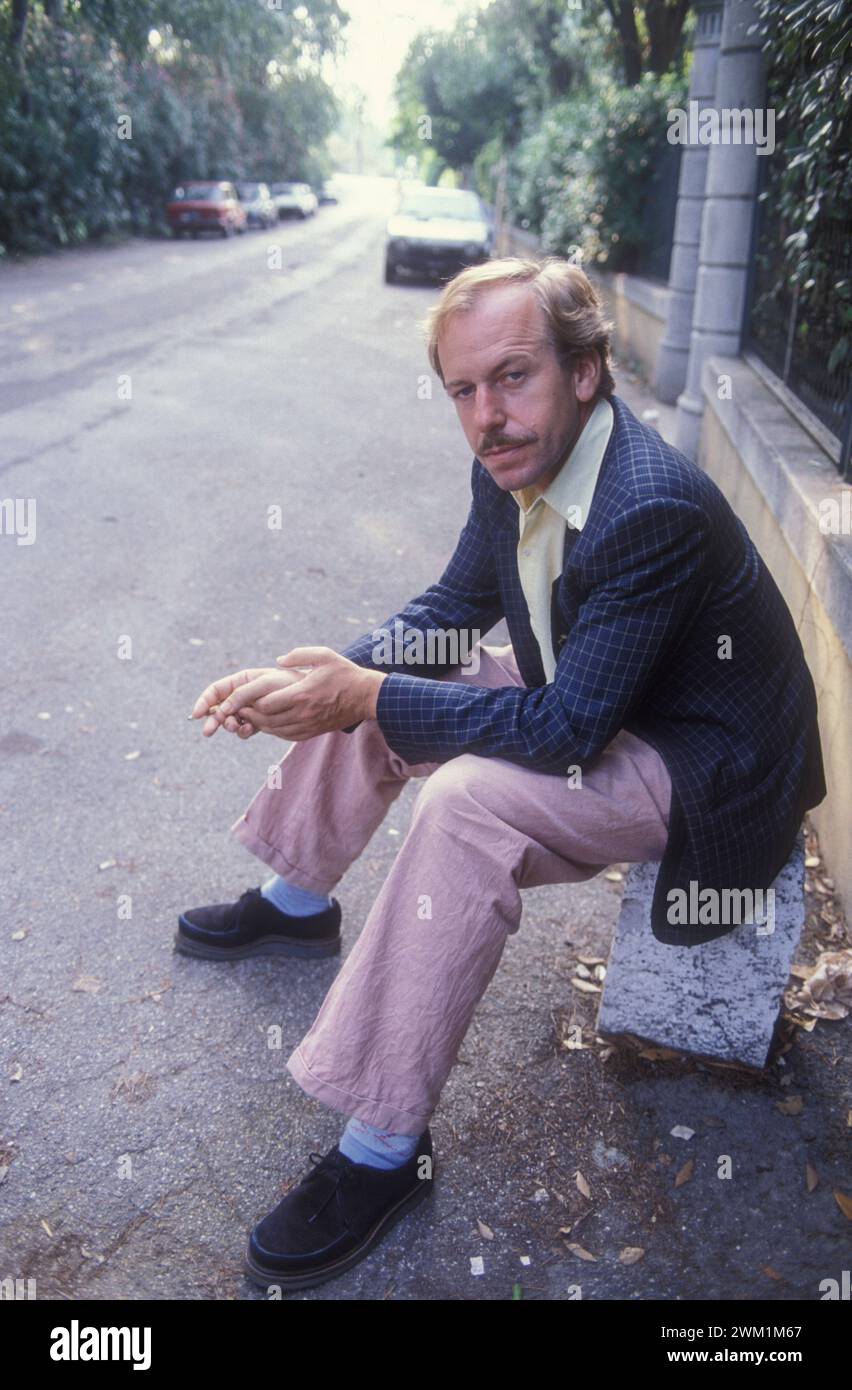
<point x="591" y="960"/>
<point x="770" y="1272"/>
<point x="614" y="876"/>
<point x="586" y="986"/>
<point x="16" y="1073"/>
<point x="681" y="1132"/>
<point x="477" y="1265"/>
<point x="685" y="1173"/>
<point x="583" y="1186"/>
<point x="47" y="1228"/>
<point x="581" y="1252"/>
<point x="485" y="1231"/>
<point x="630" y="1254"/>
<point x="794" y="1106"/>
<point x="18" y="935"/>
<point x="129" y="757"/>
<point x="813" y="861"/>
<point x="658" y="1054"/>
<point x="107" y="864"/>
<point x="87" y="984"/>
<point x="811" y="1177"/>
<point x="584" y="972"/>
<point x="844" y="1203"/>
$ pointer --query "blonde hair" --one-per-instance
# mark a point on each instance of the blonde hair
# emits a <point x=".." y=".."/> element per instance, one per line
<point x="572" y="308"/>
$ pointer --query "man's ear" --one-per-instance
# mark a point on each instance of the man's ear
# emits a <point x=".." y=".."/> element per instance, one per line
<point x="587" y="375"/>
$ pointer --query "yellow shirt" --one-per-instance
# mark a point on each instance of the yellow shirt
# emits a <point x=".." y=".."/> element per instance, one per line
<point x="543" y="518"/>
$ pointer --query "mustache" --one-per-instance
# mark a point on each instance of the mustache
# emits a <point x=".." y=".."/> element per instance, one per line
<point x="504" y="441"/>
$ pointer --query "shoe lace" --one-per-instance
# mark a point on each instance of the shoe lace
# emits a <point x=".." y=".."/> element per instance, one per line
<point x="346" y="1175"/>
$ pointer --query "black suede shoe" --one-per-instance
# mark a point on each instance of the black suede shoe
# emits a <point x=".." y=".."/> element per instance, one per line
<point x="253" y="926"/>
<point x="334" y="1217"/>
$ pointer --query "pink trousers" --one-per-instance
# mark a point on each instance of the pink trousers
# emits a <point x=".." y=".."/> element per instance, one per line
<point x="482" y="829"/>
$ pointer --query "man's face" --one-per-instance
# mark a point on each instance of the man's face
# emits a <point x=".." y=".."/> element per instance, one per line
<point x="520" y="409"/>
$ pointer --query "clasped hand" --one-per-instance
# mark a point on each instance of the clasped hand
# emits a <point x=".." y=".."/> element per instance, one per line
<point x="293" y="704"/>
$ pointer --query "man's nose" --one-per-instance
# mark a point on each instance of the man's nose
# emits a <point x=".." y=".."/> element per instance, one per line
<point x="488" y="409"/>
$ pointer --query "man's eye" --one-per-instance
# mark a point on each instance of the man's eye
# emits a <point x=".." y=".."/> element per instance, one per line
<point x="461" y="393"/>
<point x="516" y="374"/>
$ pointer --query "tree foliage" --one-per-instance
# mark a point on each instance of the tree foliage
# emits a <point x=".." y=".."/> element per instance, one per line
<point x="571" y="99"/>
<point x="809" y="179"/>
<point x="106" y="104"/>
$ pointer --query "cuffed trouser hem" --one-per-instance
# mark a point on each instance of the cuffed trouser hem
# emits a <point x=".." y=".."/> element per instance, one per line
<point x="271" y="855"/>
<point x="378" y="1113"/>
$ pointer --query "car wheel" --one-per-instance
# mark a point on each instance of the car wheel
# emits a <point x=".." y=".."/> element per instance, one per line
<point x="390" y="272"/>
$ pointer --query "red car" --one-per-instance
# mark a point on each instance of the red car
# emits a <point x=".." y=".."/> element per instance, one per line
<point x="200" y="206"/>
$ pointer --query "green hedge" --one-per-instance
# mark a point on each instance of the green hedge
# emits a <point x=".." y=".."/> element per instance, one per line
<point x="587" y="176"/>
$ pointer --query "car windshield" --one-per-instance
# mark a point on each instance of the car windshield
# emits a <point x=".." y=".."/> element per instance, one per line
<point x="249" y="190"/>
<point x="464" y="206"/>
<point x="211" y="192"/>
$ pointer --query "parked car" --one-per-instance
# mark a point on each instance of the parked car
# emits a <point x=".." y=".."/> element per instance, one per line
<point x="436" y="232"/>
<point x="328" y="192"/>
<point x="204" y="206"/>
<point x="257" y="201"/>
<point x="294" y="199"/>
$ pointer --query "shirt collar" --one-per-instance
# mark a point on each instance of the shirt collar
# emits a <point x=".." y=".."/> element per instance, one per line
<point x="570" y="492"/>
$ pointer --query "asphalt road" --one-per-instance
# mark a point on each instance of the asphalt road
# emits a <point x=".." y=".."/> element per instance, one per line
<point x="156" y="399"/>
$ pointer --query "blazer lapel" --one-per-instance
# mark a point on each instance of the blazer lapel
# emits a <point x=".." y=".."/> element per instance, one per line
<point x="558" y="622"/>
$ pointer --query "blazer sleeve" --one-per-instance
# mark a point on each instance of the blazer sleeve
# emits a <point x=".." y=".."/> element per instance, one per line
<point x="466" y="598"/>
<point x="649" y="576"/>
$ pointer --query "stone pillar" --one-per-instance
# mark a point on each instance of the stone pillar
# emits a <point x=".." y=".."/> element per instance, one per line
<point x="726" y="222"/>
<point x="673" y="356"/>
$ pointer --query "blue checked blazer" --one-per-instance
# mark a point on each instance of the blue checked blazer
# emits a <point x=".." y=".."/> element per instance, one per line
<point x="660" y="573"/>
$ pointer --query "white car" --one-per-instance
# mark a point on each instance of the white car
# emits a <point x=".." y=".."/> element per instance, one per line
<point x="294" y="199"/>
<point x="437" y="231"/>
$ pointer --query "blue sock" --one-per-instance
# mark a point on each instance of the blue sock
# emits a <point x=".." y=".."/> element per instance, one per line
<point x="364" y="1144"/>
<point x="298" y="902"/>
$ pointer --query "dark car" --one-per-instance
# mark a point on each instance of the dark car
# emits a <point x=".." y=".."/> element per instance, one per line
<point x="436" y="232"/>
<point x="257" y="201"/>
<point x="205" y="206"/>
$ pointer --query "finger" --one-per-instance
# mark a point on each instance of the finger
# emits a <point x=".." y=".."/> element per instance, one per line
<point x="279" y="700"/>
<point x="246" y="695"/>
<point x="221" y="689"/>
<point x="307" y="656"/>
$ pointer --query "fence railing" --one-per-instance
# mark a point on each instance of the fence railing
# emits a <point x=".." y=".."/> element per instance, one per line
<point x="795" y="333"/>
